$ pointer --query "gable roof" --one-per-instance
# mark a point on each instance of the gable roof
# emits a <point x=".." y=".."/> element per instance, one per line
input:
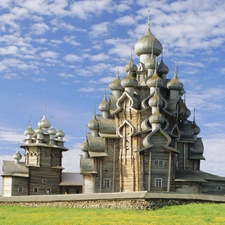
<point x="10" y="168"/>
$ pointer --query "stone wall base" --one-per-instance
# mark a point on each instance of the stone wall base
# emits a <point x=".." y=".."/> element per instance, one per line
<point x="106" y="204"/>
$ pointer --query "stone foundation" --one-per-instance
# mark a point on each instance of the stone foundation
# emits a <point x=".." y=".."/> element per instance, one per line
<point x="130" y="201"/>
<point x="104" y="204"/>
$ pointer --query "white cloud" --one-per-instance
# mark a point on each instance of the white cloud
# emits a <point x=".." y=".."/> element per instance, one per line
<point x="101" y="29"/>
<point x="49" y="54"/>
<point x="72" y="58"/>
<point x="8" y="20"/>
<point x="71" y="159"/>
<point x="99" y="57"/>
<point x="9" y="76"/>
<point x="9" y="50"/>
<point x="56" y="42"/>
<point x="66" y="75"/>
<point x="39" y="28"/>
<point x="214" y="154"/>
<point x="16" y="63"/>
<point x="10" y="134"/>
<point x="38" y="79"/>
<point x="87" y="89"/>
<point x="85" y="9"/>
<point x="124" y="6"/>
<point x="106" y="80"/>
<point x="71" y="40"/>
<point x="41" y="40"/>
<point x="126" y="20"/>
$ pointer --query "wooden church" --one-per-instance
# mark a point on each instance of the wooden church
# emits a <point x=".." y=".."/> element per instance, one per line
<point x="143" y="140"/>
<point x="41" y="173"/>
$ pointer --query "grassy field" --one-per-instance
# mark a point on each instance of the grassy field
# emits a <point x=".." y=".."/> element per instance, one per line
<point x="184" y="214"/>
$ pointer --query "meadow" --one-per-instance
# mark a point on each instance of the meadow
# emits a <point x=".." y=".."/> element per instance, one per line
<point x="184" y="214"/>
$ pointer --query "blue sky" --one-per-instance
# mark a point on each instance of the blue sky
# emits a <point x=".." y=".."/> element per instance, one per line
<point x="62" y="53"/>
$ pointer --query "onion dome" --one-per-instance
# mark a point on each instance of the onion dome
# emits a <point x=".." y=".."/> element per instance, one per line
<point x="129" y="81"/>
<point x="104" y="105"/>
<point x="17" y="156"/>
<point x="186" y="112"/>
<point x="116" y="84"/>
<point x="130" y="66"/>
<point x="154" y="81"/>
<point x="60" y="133"/>
<point x="52" y="131"/>
<point x="93" y="124"/>
<point x="150" y="64"/>
<point x="156" y="117"/>
<point x="44" y="123"/>
<point x="186" y="129"/>
<point x="84" y="146"/>
<point x="175" y="84"/>
<point x="155" y="100"/>
<point x="29" y="131"/>
<point x="163" y="69"/>
<point x="147" y="44"/>
<point x="39" y="130"/>
<point x="196" y="128"/>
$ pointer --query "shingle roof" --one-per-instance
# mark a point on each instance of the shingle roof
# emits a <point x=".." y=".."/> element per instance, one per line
<point x="10" y="168"/>
<point x="196" y="176"/>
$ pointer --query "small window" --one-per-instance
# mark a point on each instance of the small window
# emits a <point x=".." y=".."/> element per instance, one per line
<point x="35" y="190"/>
<point x="20" y="189"/>
<point x="158" y="163"/>
<point x="44" y="181"/>
<point x="219" y="188"/>
<point x="48" y="191"/>
<point x="106" y="182"/>
<point x="158" y="182"/>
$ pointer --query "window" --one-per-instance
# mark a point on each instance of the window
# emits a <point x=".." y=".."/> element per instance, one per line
<point x="219" y="188"/>
<point x="48" y="190"/>
<point x="20" y="189"/>
<point x="158" y="162"/>
<point x="35" y="190"/>
<point x="106" y="182"/>
<point x="158" y="182"/>
<point x="44" y="181"/>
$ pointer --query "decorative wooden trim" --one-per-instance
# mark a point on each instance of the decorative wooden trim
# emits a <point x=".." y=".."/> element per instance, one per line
<point x="169" y="172"/>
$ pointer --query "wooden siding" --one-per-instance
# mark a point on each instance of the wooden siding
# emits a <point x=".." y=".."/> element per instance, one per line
<point x="188" y="187"/>
<point x="88" y="183"/>
<point x="52" y="177"/>
<point x="7" y="186"/>
<point x="19" y="182"/>
<point x="213" y="187"/>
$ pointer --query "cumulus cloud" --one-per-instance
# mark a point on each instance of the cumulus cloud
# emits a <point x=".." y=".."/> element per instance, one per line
<point x="72" y="58"/>
<point x="66" y="75"/>
<point x="10" y="134"/>
<point x="101" y="29"/>
<point x="126" y="20"/>
<point x="39" y="28"/>
<point x="98" y="57"/>
<point x="9" y="50"/>
<point x="71" y="40"/>
<point x="49" y="54"/>
<point x="38" y="79"/>
<point x="85" y="9"/>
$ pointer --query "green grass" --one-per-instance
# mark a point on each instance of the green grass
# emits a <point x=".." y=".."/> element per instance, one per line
<point x="184" y="214"/>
